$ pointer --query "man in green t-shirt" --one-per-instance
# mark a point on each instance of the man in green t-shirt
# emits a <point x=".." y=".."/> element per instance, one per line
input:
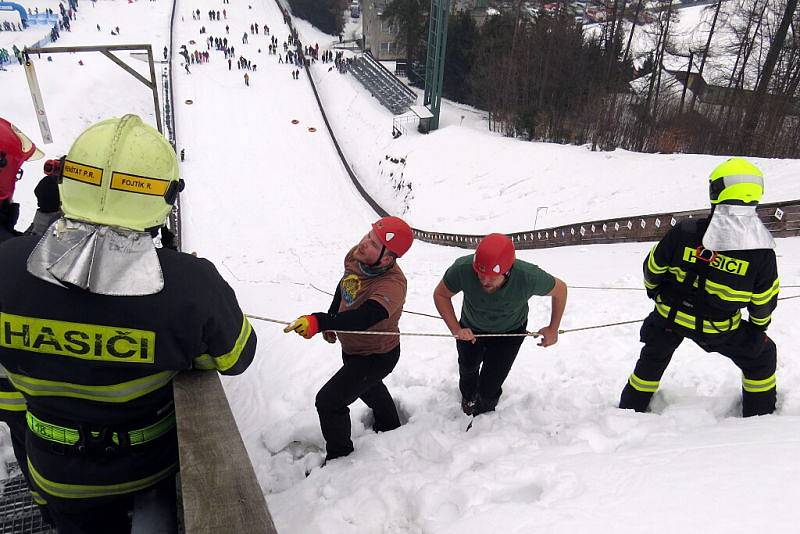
<point x="496" y="289"/>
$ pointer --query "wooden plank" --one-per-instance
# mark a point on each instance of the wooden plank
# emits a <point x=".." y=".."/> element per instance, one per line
<point x="218" y="485"/>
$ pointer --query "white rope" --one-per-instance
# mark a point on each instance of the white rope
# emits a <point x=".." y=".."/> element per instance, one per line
<point x="409" y="334"/>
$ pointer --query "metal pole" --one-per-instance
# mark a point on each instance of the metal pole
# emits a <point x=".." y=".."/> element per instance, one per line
<point x="38" y="102"/>
<point x="155" y="87"/>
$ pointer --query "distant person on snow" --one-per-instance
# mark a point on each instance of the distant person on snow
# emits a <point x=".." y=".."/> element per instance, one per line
<point x="700" y="275"/>
<point x="100" y="415"/>
<point x="497" y="288"/>
<point x="369" y="297"/>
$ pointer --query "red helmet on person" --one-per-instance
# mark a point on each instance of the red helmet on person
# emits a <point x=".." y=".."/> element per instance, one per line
<point x="395" y="234"/>
<point x="15" y="149"/>
<point x="494" y="255"/>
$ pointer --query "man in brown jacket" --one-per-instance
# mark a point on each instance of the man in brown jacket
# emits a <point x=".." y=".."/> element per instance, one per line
<point x="369" y="296"/>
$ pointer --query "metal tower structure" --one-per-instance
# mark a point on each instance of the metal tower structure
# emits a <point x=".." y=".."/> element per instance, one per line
<point x="434" y="67"/>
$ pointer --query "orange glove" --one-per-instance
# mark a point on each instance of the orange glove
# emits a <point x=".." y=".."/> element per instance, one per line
<point x="305" y="325"/>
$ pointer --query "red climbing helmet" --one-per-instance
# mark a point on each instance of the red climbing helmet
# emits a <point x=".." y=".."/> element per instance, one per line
<point x="15" y="149"/>
<point x="395" y="234"/>
<point x="494" y="255"/>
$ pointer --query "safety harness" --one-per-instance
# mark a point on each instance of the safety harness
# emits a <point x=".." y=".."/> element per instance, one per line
<point x="692" y="295"/>
<point x="103" y="440"/>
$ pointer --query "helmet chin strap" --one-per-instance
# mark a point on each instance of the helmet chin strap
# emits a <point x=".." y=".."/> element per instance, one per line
<point x="380" y="257"/>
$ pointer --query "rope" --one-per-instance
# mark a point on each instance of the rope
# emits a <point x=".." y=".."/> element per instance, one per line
<point x="427" y="334"/>
<point x="409" y="334"/>
<point x="599" y="326"/>
<point x="612" y="288"/>
<point x="404" y="310"/>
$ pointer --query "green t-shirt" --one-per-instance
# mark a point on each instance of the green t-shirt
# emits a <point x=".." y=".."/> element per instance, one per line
<point x="505" y="309"/>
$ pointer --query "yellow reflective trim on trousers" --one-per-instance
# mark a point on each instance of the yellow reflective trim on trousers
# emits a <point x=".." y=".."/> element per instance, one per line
<point x="760" y="321"/>
<point x="115" y="393"/>
<point x="654" y="267"/>
<point x="226" y="361"/>
<point x="81" y="491"/>
<point x="759" y="386"/>
<point x="12" y="401"/>
<point x="766" y="296"/>
<point x="709" y="327"/>
<point x="646" y="386"/>
<point x="649" y="285"/>
<point x="37" y="498"/>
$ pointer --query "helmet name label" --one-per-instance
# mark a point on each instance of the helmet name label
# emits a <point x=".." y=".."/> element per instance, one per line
<point x="82" y="173"/>
<point x="721" y="262"/>
<point x="77" y="340"/>
<point x="139" y="184"/>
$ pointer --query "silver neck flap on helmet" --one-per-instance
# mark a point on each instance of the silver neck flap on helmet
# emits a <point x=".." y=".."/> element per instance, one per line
<point x="101" y="259"/>
<point x="734" y="227"/>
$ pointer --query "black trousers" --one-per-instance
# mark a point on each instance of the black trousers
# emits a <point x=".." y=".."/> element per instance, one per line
<point x="99" y="514"/>
<point x="483" y="366"/>
<point x="113" y="515"/>
<point x="361" y="377"/>
<point x="748" y="347"/>
<point x="17" y="427"/>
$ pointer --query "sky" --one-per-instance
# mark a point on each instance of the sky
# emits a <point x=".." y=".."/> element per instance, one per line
<point x="268" y="201"/>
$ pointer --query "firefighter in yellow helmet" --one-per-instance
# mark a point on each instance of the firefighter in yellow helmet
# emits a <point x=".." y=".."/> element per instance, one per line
<point x="700" y="275"/>
<point x="95" y="322"/>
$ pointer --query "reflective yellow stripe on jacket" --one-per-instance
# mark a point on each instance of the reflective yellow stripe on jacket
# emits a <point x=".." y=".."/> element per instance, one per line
<point x="765" y="296"/>
<point x="12" y="401"/>
<point x="229" y="359"/>
<point x="116" y="393"/>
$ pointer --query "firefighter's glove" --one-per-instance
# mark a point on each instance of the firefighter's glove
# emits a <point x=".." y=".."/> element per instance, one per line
<point x="305" y="325"/>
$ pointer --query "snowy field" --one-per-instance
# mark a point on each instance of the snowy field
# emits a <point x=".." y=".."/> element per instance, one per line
<point x="268" y="202"/>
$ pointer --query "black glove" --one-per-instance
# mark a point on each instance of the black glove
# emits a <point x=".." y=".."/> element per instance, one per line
<point x="168" y="239"/>
<point x="46" y="192"/>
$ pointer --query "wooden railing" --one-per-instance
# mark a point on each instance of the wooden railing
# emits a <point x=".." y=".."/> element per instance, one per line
<point x="780" y="218"/>
<point x="219" y="489"/>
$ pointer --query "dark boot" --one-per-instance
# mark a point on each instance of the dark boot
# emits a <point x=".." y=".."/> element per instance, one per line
<point x="633" y="399"/>
<point x="484" y="405"/>
<point x="467" y="406"/>
<point x="761" y="403"/>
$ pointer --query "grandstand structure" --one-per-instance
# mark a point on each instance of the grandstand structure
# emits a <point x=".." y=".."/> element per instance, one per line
<point x="392" y="93"/>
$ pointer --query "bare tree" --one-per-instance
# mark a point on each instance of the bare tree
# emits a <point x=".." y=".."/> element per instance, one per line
<point x="748" y="138"/>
